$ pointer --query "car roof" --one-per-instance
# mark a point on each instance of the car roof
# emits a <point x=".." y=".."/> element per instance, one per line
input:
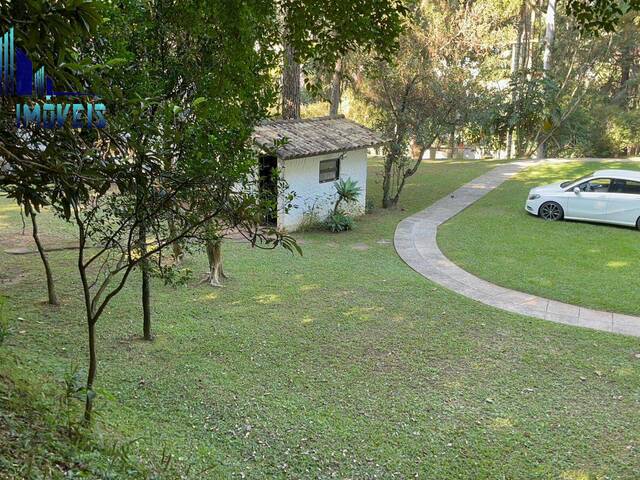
<point x="615" y="173"/>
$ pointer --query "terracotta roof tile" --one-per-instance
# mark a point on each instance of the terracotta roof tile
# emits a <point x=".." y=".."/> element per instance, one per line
<point x="315" y="136"/>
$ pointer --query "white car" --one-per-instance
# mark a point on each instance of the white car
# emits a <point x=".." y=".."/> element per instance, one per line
<point x="607" y="196"/>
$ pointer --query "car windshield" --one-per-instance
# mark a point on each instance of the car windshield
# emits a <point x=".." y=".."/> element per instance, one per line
<point x="566" y="184"/>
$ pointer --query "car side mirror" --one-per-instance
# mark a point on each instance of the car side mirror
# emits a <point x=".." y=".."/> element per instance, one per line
<point x="576" y="190"/>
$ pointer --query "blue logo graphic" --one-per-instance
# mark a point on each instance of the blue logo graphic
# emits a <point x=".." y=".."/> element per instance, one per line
<point x="17" y="79"/>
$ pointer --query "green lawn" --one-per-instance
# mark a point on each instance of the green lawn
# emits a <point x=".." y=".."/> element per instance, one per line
<point x="342" y="363"/>
<point x="585" y="264"/>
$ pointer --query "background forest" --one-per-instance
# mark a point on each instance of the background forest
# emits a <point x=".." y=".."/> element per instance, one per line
<point x="506" y="75"/>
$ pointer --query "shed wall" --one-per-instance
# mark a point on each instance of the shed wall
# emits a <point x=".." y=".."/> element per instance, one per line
<point x="302" y="177"/>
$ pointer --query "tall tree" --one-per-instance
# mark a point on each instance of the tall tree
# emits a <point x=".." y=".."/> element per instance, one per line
<point x="549" y="40"/>
<point x="336" y="88"/>
<point x="429" y="90"/>
<point x="516" y="61"/>
<point x="290" y="84"/>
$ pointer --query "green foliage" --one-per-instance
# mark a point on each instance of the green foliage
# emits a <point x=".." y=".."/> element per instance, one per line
<point x="595" y="17"/>
<point x="315" y="109"/>
<point x="172" y="275"/>
<point x="41" y="438"/>
<point x="431" y="88"/>
<point x="311" y="221"/>
<point x="347" y="191"/>
<point x="623" y="130"/>
<point x="327" y="29"/>
<point x="339" y="222"/>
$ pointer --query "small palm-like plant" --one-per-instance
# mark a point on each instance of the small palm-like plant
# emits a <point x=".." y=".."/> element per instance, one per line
<point x="348" y="191"/>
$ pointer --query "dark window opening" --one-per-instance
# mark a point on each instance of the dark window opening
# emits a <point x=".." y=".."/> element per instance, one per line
<point x="626" y="186"/>
<point x="268" y="188"/>
<point x="329" y="170"/>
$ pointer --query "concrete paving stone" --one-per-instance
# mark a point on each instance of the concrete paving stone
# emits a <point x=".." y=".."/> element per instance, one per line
<point x="589" y="314"/>
<point x="562" y="318"/>
<point x="561" y="308"/>
<point x="513" y="296"/>
<point x="626" y="324"/>
<point x="600" y="323"/>
<point x="538" y="304"/>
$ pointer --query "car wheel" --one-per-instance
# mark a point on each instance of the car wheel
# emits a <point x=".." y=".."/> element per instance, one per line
<point x="551" y="211"/>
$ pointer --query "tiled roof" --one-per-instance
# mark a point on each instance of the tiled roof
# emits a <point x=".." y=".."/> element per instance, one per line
<point x="314" y="136"/>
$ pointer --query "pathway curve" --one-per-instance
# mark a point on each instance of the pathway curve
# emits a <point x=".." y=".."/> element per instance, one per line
<point x="415" y="242"/>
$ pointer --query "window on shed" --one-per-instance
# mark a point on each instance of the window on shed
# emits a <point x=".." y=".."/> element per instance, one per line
<point x="329" y="170"/>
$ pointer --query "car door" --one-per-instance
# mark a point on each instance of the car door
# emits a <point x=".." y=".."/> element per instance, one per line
<point x="623" y="205"/>
<point x="590" y="203"/>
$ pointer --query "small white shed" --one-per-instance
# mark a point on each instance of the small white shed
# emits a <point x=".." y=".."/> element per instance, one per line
<point x="315" y="154"/>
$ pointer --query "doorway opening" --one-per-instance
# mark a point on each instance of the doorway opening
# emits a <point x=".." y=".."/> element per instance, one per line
<point x="268" y="188"/>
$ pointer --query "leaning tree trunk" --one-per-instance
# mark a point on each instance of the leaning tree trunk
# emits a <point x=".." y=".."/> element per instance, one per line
<point x="336" y="90"/>
<point x="93" y="367"/>
<point x="216" y="275"/>
<point x="51" y="290"/>
<point x="290" y="84"/>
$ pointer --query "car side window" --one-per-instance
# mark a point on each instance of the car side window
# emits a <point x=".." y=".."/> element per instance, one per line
<point x="631" y="186"/>
<point x="617" y="186"/>
<point x="597" y="185"/>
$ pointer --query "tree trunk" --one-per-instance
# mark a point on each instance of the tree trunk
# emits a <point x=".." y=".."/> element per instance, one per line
<point x="216" y="274"/>
<point x="177" y="252"/>
<point x="549" y="39"/>
<point x="387" y="200"/>
<point x="290" y="84"/>
<point x="549" y="36"/>
<point x="393" y="157"/>
<point x="516" y="54"/>
<point x="175" y="246"/>
<point x="336" y="90"/>
<point x="452" y="142"/>
<point x="51" y="290"/>
<point x="146" y="290"/>
<point x="93" y="366"/>
<point x="532" y="39"/>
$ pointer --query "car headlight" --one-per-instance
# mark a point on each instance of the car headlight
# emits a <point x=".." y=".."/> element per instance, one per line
<point x="534" y="196"/>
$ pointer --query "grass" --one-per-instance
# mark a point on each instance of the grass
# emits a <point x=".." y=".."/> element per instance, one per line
<point x="591" y="265"/>
<point x="341" y="363"/>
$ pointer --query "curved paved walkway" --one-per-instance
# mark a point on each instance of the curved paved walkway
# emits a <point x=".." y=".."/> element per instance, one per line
<point x="415" y="242"/>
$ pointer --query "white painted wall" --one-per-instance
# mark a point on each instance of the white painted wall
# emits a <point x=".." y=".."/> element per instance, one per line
<point x="302" y="176"/>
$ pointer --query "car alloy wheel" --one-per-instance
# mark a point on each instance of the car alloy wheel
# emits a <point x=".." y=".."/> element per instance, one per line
<point x="551" y="211"/>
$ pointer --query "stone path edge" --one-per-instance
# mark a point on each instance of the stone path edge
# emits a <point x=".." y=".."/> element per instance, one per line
<point x="415" y="241"/>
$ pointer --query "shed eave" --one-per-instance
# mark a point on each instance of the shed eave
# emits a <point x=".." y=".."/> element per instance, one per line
<point x="284" y="156"/>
